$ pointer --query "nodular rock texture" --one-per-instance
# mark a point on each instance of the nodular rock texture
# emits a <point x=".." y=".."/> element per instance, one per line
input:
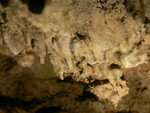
<point x="97" y="42"/>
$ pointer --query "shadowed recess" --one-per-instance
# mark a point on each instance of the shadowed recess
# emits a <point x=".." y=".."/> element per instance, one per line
<point x="4" y="2"/>
<point x="99" y="82"/>
<point x="86" y="95"/>
<point x="36" y="6"/>
<point x="7" y="103"/>
<point x="25" y="1"/>
<point x="114" y="66"/>
<point x="124" y="111"/>
<point x="50" y="110"/>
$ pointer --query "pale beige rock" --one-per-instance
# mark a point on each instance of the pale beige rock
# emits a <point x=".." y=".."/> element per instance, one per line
<point x="13" y="35"/>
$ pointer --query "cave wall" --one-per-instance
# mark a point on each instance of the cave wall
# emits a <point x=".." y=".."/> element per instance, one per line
<point x="98" y="46"/>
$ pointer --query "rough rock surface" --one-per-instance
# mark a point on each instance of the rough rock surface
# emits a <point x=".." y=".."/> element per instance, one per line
<point x="98" y="42"/>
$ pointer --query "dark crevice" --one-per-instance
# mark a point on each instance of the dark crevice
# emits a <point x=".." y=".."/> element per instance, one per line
<point x="68" y="79"/>
<point x="53" y="40"/>
<point x="87" y="95"/>
<point x="99" y="82"/>
<point x="114" y="66"/>
<point x="125" y="2"/>
<point x="4" y="3"/>
<point x="54" y="109"/>
<point x="122" y="77"/>
<point x="81" y="71"/>
<point x="25" y="1"/>
<point x="33" y="41"/>
<point x="36" y="6"/>
<point x="118" y="54"/>
<point x="130" y="111"/>
<point x="4" y="16"/>
<point x="141" y="89"/>
<point x="80" y="36"/>
<point x="8" y="103"/>
<point x="5" y="108"/>
<point x="144" y="88"/>
<point x="122" y="19"/>
<point x="7" y="64"/>
<point x="147" y="21"/>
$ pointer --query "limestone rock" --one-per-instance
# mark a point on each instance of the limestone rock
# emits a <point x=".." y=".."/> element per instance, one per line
<point x="89" y="40"/>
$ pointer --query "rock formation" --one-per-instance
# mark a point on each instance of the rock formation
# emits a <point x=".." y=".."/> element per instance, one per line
<point x="92" y="41"/>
